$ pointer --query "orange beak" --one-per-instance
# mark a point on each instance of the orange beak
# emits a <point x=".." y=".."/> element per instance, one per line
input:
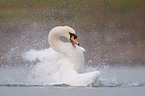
<point x="73" y="40"/>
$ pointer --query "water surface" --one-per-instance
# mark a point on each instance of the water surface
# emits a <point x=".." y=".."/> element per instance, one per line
<point x="128" y="81"/>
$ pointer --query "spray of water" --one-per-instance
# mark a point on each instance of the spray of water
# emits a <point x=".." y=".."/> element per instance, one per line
<point x="16" y="71"/>
<point x="110" y="77"/>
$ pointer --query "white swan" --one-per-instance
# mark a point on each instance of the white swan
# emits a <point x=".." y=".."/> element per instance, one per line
<point x="63" y="61"/>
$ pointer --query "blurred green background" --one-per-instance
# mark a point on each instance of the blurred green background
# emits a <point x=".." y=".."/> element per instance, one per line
<point x="111" y="31"/>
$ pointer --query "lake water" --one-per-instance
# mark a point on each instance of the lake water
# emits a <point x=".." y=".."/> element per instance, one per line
<point x="71" y="91"/>
<point x="114" y="81"/>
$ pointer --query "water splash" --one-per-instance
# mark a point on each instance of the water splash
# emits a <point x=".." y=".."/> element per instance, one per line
<point x="34" y="36"/>
<point x="110" y="77"/>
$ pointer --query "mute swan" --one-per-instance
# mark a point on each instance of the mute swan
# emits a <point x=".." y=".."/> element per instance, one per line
<point x="63" y="61"/>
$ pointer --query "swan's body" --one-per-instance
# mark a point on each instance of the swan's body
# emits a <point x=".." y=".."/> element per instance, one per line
<point x="62" y="62"/>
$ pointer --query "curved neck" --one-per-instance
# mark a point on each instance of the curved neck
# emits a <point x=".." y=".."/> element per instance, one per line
<point x="56" y="43"/>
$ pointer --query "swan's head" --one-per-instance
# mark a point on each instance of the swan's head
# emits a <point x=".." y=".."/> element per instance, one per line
<point x="65" y="31"/>
<point x="70" y="34"/>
